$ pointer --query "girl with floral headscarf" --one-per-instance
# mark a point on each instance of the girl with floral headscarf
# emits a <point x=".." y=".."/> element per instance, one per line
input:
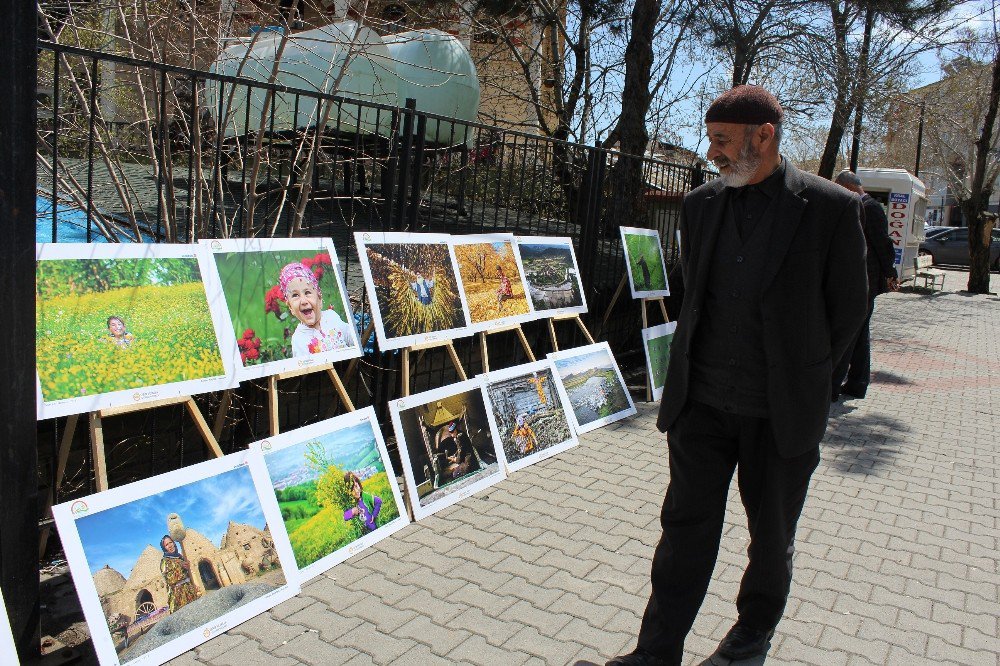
<point x="318" y="330"/>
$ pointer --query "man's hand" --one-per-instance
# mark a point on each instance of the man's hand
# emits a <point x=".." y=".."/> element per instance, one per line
<point x="892" y="284"/>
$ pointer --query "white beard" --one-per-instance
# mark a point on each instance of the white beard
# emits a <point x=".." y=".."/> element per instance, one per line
<point x="742" y="170"/>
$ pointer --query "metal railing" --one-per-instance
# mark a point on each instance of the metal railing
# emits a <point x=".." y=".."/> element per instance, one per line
<point x="140" y="149"/>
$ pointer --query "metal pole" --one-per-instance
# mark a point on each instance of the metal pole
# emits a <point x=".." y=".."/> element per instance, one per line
<point x="18" y="456"/>
<point x="920" y="140"/>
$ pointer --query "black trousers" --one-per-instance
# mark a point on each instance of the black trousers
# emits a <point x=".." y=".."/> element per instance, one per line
<point x="855" y="369"/>
<point x="706" y="446"/>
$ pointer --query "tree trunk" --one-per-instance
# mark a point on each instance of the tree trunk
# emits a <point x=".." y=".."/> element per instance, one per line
<point x="627" y="181"/>
<point x="861" y="88"/>
<point x="979" y="227"/>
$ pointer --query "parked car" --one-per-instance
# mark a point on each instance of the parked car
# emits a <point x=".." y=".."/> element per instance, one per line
<point x="951" y="246"/>
<point x="930" y="232"/>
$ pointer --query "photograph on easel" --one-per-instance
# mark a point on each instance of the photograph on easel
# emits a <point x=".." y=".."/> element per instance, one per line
<point x="552" y="274"/>
<point x="592" y="384"/>
<point x="528" y="413"/>
<point x="334" y="487"/>
<point x="286" y="304"/>
<point x="414" y="288"/>
<point x="492" y="278"/>
<point x="647" y="272"/>
<point x="164" y="564"/>
<point x="125" y="324"/>
<point x="656" y="341"/>
<point x="446" y="444"/>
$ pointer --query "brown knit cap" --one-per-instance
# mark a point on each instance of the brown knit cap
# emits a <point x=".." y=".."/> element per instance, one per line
<point x="745" y="105"/>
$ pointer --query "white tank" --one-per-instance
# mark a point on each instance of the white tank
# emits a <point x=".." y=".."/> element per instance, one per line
<point x="436" y="70"/>
<point x="312" y="60"/>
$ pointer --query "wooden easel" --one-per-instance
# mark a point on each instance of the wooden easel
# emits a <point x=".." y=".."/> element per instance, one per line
<point x="97" y="449"/>
<point x="569" y="317"/>
<point x="484" y="349"/>
<point x="645" y="324"/>
<point x="423" y="347"/>
<point x="272" y="390"/>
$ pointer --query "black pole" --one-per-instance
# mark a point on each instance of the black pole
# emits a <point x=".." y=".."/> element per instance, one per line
<point x="920" y="140"/>
<point x="18" y="457"/>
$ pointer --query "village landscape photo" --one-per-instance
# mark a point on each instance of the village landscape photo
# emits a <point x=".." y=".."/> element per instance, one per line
<point x="552" y="274"/>
<point x="415" y="288"/>
<point x="168" y="563"/>
<point x="333" y="486"/>
<point x="492" y="280"/>
<point x="447" y="445"/>
<point x="592" y="385"/>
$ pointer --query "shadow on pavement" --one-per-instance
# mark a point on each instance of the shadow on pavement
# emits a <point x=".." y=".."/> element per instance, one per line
<point x="861" y="443"/>
<point x="886" y="377"/>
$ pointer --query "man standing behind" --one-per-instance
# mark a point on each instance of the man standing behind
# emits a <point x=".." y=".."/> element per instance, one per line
<point x="773" y="263"/>
<point x="853" y="374"/>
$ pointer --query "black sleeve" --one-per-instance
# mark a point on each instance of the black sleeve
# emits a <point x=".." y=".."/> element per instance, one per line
<point x="877" y="231"/>
<point x="846" y="281"/>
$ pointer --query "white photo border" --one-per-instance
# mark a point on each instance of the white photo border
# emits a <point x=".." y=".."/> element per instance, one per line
<point x="501" y="322"/>
<point x="519" y="371"/>
<point x="408" y="402"/>
<point x="246" y="372"/>
<point x="555" y="240"/>
<point x="143" y="394"/>
<point x="581" y="351"/>
<point x="258" y="468"/>
<point x="639" y="293"/>
<point x="65" y="518"/>
<point x="652" y="333"/>
<point x="364" y="238"/>
<point x="7" y="645"/>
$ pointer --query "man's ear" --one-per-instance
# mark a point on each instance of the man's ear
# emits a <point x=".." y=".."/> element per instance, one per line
<point x="765" y="133"/>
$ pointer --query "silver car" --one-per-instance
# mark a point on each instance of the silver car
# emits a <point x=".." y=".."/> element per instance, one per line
<point x="951" y="246"/>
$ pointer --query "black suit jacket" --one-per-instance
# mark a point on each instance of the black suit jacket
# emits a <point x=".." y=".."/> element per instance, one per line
<point x="814" y="300"/>
<point x="880" y="249"/>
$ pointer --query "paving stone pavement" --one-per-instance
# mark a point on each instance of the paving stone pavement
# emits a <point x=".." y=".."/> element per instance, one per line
<point x="897" y="551"/>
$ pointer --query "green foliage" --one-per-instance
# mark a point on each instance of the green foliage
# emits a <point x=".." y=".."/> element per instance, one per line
<point x="173" y="339"/>
<point x="659" y="358"/>
<point x="61" y="277"/>
<point x="648" y="247"/>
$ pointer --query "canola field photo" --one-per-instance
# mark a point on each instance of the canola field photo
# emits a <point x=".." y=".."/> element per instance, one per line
<point x="491" y="279"/>
<point x="332" y="489"/>
<point x="107" y="325"/>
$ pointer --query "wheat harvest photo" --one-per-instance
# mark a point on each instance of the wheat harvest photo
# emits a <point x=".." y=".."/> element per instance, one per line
<point x="416" y="290"/>
<point x="116" y="324"/>
<point x="333" y="487"/>
<point x="492" y="281"/>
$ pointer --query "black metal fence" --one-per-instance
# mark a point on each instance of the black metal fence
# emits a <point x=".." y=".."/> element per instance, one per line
<point x="131" y="149"/>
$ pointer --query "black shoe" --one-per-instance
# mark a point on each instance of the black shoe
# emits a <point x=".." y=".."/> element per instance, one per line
<point x="854" y="391"/>
<point x="743" y="642"/>
<point x="639" y="657"/>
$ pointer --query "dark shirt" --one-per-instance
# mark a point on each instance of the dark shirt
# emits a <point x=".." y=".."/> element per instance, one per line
<point x="750" y="201"/>
<point x="728" y="367"/>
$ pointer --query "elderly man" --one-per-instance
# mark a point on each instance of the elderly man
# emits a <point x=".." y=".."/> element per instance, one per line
<point x="773" y="264"/>
<point x="853" y="374"/>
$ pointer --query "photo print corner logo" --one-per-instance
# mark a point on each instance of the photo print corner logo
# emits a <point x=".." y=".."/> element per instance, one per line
<point x="207" y="633"/>
<point x="265" y="445"/>
<point x="366" y="236"/>
<point x="305" y="362"/>
<point x="78" y="508"/>
<point x="216" y="245"/>
<point x="145" y="396"/>
<point x="401" y="404"/>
